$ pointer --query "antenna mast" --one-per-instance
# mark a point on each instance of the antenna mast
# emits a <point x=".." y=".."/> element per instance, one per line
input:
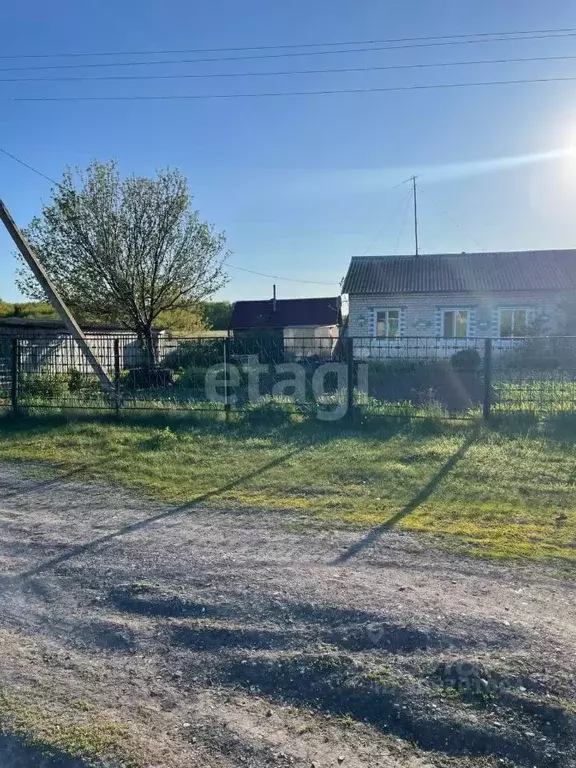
<point x="416" y="252"/>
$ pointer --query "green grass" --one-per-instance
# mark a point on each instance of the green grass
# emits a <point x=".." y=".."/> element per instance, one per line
<point x="503" y="493"/>
<point x="537" y="393"/>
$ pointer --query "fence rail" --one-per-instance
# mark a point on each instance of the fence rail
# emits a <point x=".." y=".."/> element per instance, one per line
<point x="329" y="377"/>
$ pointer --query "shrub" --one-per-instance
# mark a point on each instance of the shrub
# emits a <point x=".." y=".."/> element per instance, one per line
<point x="163" y="438"/>
<point x="193" y="377"/>
<point x="44" y="386"/>
<point x="148" y="378"/>
<point x="272" y="409"/>
<point x="197" y="353"/>
<point x="466" y="360"/>
<point x="83" y="384"/>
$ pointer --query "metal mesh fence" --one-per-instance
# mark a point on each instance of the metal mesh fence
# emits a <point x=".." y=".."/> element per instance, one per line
<point x="5" y="372"/>
<point x="534" y="374"/>
<point x="276" y="373"/>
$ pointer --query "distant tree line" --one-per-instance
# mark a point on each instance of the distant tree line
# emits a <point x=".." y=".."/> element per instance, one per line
<point x="203" y="316"/>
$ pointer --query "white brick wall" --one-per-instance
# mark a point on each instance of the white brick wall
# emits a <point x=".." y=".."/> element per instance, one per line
<point x="421" y="314"/>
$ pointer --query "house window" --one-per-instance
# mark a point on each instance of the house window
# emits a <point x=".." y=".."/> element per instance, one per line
<point x="387" y="323"/>
<point x="513" y="323"/>
<point x="455" y="323"/>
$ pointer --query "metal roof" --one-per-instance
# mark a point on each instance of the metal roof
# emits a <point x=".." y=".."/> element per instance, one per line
<point x="287" y="312"/>
<point x="463" y="273"/>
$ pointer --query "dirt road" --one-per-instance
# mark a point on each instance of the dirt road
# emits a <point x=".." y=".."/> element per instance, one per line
<point x="227" y="638"/>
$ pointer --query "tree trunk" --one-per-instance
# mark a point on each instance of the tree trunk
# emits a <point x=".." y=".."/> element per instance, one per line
<point x="148" y="347"/>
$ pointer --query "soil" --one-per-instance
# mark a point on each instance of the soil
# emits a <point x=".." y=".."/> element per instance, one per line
<point x="238" y="638"/>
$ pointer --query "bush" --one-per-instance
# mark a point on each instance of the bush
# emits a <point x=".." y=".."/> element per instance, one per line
<point x="466" y="360"/>
<point x="539" y="354"/>
<point x="196" y="353"/>
<point x="54" y="386"/>
<point x="428" y="383"/>
<point x="193" y="377"/>
<point x="148" y="378"/>
<point x="272" y="409"/>
<point x="44" y="386"/>
<point x="79" y="383"/>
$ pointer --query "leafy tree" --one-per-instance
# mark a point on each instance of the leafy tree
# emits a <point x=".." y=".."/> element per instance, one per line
<point x="217" y="314"/>
<point x="184" y="322"/>
<point x="125" y="250"/>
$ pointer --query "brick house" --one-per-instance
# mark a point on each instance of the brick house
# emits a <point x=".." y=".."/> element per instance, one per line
<point x="457" y="298"/>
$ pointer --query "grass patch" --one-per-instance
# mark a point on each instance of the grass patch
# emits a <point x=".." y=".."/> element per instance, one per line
<point x="502" y="493"/>
<point x="67" y="733"/>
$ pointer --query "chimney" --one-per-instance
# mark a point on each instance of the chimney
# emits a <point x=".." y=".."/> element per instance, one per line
<point x="274" y="298"/>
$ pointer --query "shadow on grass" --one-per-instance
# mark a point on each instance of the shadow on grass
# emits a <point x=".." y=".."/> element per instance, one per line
<point x="556" y="428"/>
<point x="146" y="522"/>
<point x="17" y="752"/>
<point x="307" y="439"/>
<point x="412" y="505"/>
<point x="239" y="425"/>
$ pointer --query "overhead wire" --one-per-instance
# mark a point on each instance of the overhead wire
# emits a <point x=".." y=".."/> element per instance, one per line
<point x="330" y="70"/>
<point x="29" y="167"/>
<point x="403" y="220"/>
<point x="450" y="218"/>
<point x="275" y="94"/>
<point x="280" y="277"/>
<point x="289" y="54"/>
<point x="76" y="54"/>
<point x="234" y="266"/>
<point x="387" y="221"/>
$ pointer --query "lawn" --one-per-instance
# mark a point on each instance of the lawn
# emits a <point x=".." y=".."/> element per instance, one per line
<point x="493" y="492"/>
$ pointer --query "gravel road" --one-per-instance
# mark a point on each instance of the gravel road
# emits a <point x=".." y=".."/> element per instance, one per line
<point x="228" y="638"/>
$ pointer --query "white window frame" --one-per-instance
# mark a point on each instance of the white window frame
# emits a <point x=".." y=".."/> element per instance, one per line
<point x="387" y="310"/>
<point x="455" y="310"/>
<point x="527" y="310"/>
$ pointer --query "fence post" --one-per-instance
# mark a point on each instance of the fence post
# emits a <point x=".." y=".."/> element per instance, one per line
<point x="117" y="376"/>
<point x="15" y="375"/>
<point x="226" y="359"/>
<point x="487" y="379"/>
<point x="350" y="378"/>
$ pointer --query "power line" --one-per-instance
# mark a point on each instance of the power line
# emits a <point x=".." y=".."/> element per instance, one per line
<point x="30" y="168"/>
<point x="270" y="94"/>
<point x="336" y="70"/>
<point x="280" y="277"/>
<point x="284" y="54"/>
<point x="75" y="54"/>
<point x="242" y="269"/>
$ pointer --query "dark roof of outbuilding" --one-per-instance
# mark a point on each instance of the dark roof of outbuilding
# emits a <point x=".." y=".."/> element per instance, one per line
<point x="288" y="312"/>
<point x="463" y="273"/>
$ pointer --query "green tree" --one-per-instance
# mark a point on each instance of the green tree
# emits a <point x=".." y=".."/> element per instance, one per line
<point x="127" y="250"/>
<point x="217" y="314"/>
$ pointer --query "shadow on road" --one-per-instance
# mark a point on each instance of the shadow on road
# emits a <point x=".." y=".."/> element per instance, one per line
<point x="141" y="524"/>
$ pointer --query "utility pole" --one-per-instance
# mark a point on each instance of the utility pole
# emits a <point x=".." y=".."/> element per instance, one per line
<point x="415" y="216"/>
<point x="66" y="316"/>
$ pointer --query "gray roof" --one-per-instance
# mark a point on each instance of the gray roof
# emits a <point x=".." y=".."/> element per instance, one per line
<point x="463" y="273"/>
<point x="285" y="312"/>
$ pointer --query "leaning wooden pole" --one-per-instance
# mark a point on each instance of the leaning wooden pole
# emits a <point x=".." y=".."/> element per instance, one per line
<point x="67" y="317"/>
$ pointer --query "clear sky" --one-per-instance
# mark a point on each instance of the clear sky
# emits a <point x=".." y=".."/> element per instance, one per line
<point x="302" y="183"/>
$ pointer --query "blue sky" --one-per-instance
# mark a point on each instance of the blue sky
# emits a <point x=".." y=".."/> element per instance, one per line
<point x="300" y="184"/>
